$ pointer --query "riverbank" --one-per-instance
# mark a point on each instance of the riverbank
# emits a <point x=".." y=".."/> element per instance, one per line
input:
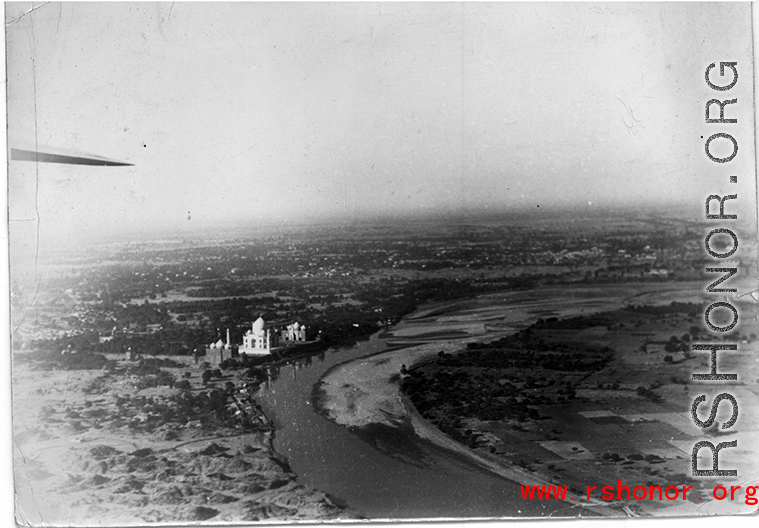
<point x="365" y="392"/>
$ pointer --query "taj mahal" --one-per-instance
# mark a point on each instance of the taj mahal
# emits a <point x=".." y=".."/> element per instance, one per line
<point x="258" y="340"/>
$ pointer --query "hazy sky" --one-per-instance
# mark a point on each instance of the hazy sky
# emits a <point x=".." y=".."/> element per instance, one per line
<point x="290" y="112"/>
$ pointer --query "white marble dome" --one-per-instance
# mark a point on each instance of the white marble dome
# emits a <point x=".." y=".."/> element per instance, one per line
<point x="259" y="325"/>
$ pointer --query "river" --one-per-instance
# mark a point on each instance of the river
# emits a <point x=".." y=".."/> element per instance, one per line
<point x="390" y="473"/>
<point x="409" y="478"/>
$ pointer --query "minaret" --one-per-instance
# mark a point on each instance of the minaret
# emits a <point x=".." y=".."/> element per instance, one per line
<point x="228" y="345"/>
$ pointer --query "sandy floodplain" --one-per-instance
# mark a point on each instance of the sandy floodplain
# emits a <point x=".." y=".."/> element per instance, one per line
<point x="365" y="391"/>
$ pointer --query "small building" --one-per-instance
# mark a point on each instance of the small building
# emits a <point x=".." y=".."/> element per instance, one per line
<point x="659" y="272"/>
<point x="295" y="333"/>
<point x="217" y="352"/>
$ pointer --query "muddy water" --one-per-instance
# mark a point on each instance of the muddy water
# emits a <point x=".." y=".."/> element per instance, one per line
<point x="407" y="478"/>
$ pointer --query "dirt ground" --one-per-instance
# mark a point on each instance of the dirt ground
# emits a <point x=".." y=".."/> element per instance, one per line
<point x="75" y="465"/>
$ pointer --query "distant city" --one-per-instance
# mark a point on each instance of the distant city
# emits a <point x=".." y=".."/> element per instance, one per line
<point x="346" y="282"/>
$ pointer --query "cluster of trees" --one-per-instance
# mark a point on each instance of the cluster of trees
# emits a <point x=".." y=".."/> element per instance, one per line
<point x="76" y="360"/>
<point x="648" y="393"/>
<point x="210" y="408"/>
<point x="572" y="323"/>
<point x="524" y="350"/>
<point x="443" y="396"/>
<point x="678" y="345"/>
<point x="208" y="375"/>
<point x="140" y="315"/>
<point x="675" y="307"/>
<point x="159" y="379"/>
<point x="500" y="380"/>
<point x="246" y="362"/>
<point x="152" y="365"/>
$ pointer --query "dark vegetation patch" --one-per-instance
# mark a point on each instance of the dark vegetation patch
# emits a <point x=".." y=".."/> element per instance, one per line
<point x="149" y="329"/>
<point x="67" y="360"/>
<point x="601" y="420"/>
<point x="504" y="380"/>
<point x="572" y="323"/>
<point x="675" y="307"/>
<point x="201" y="513"/>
